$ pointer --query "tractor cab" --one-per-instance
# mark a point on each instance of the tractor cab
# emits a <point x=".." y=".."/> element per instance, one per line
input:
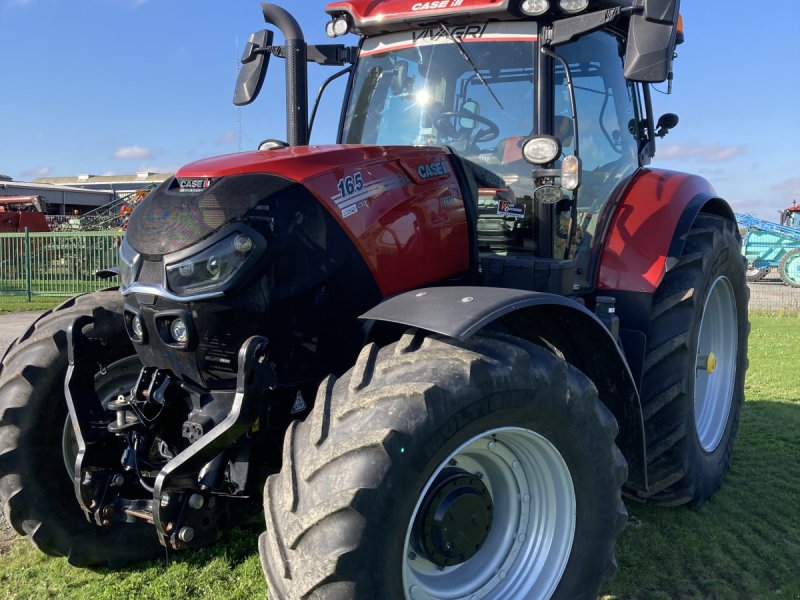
<point x="546" y="104"/>
<point x="473" y="89"/>
<point x="790" y="217"/>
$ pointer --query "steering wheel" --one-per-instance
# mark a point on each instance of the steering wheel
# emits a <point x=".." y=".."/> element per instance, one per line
<point x="442" y="121"/>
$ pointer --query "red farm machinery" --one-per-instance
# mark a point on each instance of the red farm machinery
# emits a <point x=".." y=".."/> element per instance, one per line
<point x="441" y="349"/>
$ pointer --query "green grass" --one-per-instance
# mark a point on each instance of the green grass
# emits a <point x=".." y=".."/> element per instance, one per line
<point x="743" y="543"/>
<point x="9" y="304"/>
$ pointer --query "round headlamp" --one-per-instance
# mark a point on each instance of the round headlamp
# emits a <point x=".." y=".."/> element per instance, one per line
<point x="179" y="331"/>
<point x="534" y="8"/>
<point x="329" y="29"/>
<point x="341" y="26"/>
<point x="242" y="244"/>
<point x="573" y="6"/>
<point x="541" y="149"/>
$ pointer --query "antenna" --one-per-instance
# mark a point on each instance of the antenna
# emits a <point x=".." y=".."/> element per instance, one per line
<point x="238" y="108"/>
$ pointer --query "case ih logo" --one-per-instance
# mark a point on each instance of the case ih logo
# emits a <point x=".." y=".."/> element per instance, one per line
<point x="437" y="5"/>
<point x="434" y="169"/>
<point x="193" y="185"/>
<point x="461" y="32"/>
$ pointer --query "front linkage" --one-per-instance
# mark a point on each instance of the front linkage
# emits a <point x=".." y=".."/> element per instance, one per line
<point x="174" y="454"/>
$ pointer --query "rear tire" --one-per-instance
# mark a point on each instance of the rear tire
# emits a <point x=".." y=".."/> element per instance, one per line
<point x="36" y="490"/>
<point x="693" y="384"/>
<point x="789" y="268"/>
<point x="494" y="438"/>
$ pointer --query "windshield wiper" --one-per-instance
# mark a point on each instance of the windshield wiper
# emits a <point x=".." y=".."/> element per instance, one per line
<point x="443" y="28"/>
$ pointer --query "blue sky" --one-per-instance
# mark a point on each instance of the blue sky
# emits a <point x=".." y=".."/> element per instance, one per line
<point x="119" y="86"/>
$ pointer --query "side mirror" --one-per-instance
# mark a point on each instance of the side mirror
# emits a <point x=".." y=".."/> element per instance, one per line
<point x="255" y="60"/>
<point x="666" y="122"/>
<point x="651" y="41"/>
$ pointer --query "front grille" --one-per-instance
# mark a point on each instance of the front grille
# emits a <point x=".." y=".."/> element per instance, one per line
<point x="218" y="355"/>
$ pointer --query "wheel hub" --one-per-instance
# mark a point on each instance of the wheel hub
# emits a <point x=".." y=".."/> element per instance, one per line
<point x="455" y="519"/>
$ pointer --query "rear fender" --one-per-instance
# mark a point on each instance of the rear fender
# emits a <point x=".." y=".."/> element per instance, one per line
<point x="648" y="230"/>
<point x="559" y="322"/>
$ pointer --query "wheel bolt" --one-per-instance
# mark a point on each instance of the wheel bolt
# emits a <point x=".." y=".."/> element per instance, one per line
<point x="196" y="501"/>
<point x="117" y="480"/>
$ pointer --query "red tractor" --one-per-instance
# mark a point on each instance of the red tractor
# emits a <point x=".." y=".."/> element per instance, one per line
<point x="18" y="213"/>
<point x="443" y="347"/>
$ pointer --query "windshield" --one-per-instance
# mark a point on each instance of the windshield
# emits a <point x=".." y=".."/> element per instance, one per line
<point x="419" y="88"/>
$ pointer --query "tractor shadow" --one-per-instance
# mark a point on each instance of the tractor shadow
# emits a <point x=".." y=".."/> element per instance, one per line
<point x="743" y="543"/>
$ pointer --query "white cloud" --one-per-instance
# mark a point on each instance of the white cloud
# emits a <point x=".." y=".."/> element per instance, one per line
<point x="702" y="152"/>
<point x="132" y="152"/>
<point x="36" y="172"/>
<point x="791" y="185"/>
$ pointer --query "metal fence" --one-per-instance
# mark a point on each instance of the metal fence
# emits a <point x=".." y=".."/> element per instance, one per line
<point x="56" y="264"/>
<point x="64" y="264"/>
<point x="771" y="295"/>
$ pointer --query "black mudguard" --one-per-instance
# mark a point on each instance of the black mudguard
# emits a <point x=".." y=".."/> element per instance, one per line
<point x="577" y="333"/>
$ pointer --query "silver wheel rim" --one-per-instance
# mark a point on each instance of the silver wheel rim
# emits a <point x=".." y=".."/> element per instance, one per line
<point x="753" y="271"/>
<point x="530" y="541"/>
<point x="716" y="364"/>
<point x="118" y="378"/>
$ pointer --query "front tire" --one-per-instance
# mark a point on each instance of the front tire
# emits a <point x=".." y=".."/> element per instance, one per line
<point x="444" y="469"/>
<point x="36" y="488"/>
<point x="693" y="384"/>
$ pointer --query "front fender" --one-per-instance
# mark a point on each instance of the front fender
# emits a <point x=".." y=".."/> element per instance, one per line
<point x="648" y="230"/>
<point x="574" y="331"/>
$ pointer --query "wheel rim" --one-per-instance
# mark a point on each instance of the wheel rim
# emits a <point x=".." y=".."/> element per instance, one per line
<point x="118" y="378"/>
<point x="716" y="364"/>
<point x="532" y="525"/>
<point x="791" y="268"/>
<point x="753" y="271"/>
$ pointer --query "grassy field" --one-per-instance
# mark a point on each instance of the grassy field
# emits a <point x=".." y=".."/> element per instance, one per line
<point x="10" y="304"/>
<point x="744" y="543"/>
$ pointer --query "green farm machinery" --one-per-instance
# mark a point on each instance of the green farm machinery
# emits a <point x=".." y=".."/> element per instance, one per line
<point x="768" y="246"/>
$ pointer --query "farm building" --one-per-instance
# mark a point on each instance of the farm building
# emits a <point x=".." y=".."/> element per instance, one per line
<point x="60" y="199"/>
<point x="119" y="185"/>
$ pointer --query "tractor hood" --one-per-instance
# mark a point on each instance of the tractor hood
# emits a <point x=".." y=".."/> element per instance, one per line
<point x="208" y="194"/>
<point x="298" y="163"/>
<point x="398" y="205"/>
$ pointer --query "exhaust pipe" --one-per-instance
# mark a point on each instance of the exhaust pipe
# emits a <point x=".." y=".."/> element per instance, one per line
<point x="296" y="73"/>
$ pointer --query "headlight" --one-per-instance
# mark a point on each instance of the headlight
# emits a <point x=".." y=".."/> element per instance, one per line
<point x="573" y="6"/>
<point x="541" y="149"/>
<point x="534" y="8"/>
<point x="212" y="268"/>
<point x="128" y="264"/>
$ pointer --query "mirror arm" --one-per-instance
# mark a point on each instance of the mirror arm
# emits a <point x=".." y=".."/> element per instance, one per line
<point x="332" y="55"/>
<point x="567" y="30"/>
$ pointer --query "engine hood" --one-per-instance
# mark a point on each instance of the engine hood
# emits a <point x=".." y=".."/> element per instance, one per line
<point x="208" y="194"/>
<point x="297" y="163"/>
